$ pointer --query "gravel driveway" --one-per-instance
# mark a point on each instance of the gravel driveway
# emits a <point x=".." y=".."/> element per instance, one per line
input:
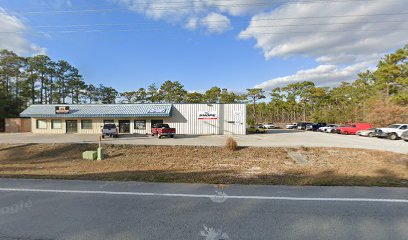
<point x="274" y="138"/>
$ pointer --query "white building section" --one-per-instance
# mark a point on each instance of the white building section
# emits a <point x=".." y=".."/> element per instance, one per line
<point x="189" y="119"/>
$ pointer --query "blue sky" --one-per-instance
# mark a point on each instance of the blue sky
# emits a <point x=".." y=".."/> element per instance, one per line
<point x="188" y="45"/>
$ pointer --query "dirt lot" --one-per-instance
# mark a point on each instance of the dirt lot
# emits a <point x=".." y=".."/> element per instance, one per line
<point x="286" y="166"/>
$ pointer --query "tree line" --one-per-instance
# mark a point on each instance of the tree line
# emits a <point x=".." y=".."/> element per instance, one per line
<point x="379" y="96"/>
<point x="39" y="80"/>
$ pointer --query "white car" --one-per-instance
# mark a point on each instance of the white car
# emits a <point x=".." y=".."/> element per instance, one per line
<point x="268" y="126"/>
<point x="328" y="128"/>
<point x="392" y="132"/>
<point x="291" y="126"/>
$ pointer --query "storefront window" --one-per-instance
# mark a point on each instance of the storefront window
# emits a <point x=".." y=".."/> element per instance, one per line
<point x="108" y="121"/>
<point x="41" y="124"/>
<point x="86" y="124"/>
<point x="140" y="124"/>
<point x="56" y="124"/>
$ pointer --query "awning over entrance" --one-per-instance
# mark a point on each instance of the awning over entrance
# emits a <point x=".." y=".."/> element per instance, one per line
<point x="97" y="110"/>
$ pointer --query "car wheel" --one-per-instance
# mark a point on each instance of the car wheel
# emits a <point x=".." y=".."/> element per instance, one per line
<point x="393" y="136"/>
<point x="103" y="136"/>
<point x="371" y="135"/>
<point x="257" y="131"/>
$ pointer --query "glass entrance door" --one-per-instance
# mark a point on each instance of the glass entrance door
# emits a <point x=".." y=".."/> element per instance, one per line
<point x="71" y="126"/>
<point x="124" y="126"/>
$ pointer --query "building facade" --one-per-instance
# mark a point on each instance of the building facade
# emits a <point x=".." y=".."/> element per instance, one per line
<point x="189" y="119"/>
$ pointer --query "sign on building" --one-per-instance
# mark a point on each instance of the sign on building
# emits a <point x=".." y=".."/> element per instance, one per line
<point x="205" y="115"/>
<point x="156" y="110"/>
<point x="61" y="109"/>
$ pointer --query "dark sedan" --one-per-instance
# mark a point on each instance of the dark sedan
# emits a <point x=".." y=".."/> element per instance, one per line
<point x="314" y="127"/>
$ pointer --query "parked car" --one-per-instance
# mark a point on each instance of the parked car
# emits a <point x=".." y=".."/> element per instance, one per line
<point x="302" y="125"/>
<point x="366" y="133"/>
<point x="328" y="127"/>
<point x="314" y="127"/>
<point x="404" y="136"/>
<point x="255" y="129"/>
<point x="162" y="129"/>
<point x="353" y="128"/>
<point x="268" y="126"/>
<point x="291" y="126"/>
<point x="110" y="129"/>
<point x="336" y="129"/>
<point x="392" y="132"/>
<point x="309" y="127"/>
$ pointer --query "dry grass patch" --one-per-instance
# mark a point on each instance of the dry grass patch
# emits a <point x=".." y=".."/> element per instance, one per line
<point x="231" y="144"/>
<point x="325" y="166"/>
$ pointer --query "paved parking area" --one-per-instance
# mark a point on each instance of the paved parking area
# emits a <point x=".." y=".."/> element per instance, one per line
<point x="275" y="138"/>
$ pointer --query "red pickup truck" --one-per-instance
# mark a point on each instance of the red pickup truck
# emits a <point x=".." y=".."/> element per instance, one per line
<point x="162" y="129"/>
<point x="353" y="128"/>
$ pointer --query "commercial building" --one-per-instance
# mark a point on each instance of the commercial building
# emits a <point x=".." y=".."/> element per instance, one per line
<point x="189" y="119"/>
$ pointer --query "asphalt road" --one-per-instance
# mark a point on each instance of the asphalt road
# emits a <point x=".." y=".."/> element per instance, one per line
<point x="274" y="138"/>
<point x="55" y="209"/>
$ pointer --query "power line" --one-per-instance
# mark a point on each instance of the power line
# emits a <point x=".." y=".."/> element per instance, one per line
<point x="309" y="17"/>
<point x="158" y="29"/>
<point x="334" y="31"/>
<point x="148" y="5"/>
<point x="320" y="17"/>
<point x="266" y="26"/>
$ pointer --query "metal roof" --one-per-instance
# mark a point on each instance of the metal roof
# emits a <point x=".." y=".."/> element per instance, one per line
<point x="99" y="110"/>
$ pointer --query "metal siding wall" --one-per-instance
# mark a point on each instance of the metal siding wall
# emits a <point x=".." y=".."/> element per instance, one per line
<point x="184" y="119"/>
<point x="229" y="121"/>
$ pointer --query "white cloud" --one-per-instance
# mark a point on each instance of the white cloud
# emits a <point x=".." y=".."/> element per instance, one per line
<point x="192" y="23"/>
<point x="323" y="37"/>
<point x="194" y="14"/>
<point x="293" y="30"/>
<point x="341" y="46"/>
<point x="323" y="75"/>
<point x="216" y="23"/>
<point x="12" y="37"/>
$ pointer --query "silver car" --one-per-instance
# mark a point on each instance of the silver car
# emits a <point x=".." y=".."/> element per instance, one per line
<point x="366" y="133"/>
<point x="404" y="136"/>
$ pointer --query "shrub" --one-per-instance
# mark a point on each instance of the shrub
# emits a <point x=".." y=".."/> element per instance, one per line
<point x="384" y="114"/>
<point x="231" y="144"/>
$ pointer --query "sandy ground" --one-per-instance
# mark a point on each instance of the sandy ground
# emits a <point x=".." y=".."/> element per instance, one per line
<point x="248" y="165"/>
